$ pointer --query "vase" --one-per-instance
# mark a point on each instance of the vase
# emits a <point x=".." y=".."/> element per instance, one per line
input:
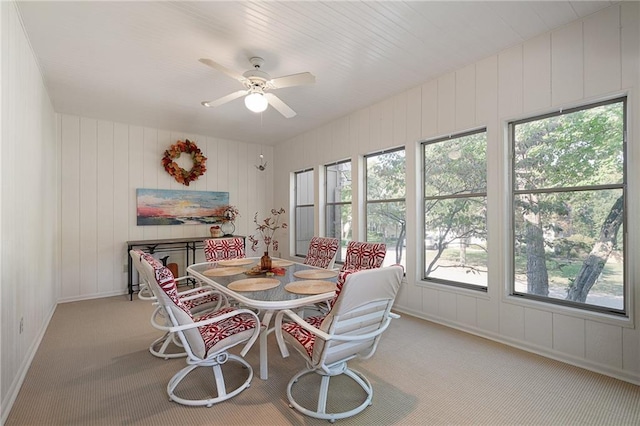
<point x="265" y="261"/>
<point x="215" y="231"/>
<point x="228" y="228"/>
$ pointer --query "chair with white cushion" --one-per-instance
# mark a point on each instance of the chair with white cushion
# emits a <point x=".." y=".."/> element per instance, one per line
<point x="206" y="339"/>
<point x="198" y="300"/>
<point x="216" y="249"/>
<point x="352" y="329"/>
<point x="322" y="252"/>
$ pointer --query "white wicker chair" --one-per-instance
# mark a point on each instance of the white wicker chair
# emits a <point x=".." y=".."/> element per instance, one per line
<point x="351" y="329"/>
<point x="206" y="339"/>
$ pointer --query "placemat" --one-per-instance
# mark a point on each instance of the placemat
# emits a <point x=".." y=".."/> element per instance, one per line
<point x="236" y="262"/>
<point x="315" y="274"/>
<point x="310" y="287"/>
<point x="254" y="284"/>
<point x="223" y="272"/>
<point x="280" y="263"/>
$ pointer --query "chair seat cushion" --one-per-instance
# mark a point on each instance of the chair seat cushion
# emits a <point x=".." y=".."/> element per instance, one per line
<point x="303" y="337"/>
<point x="201" y="303"/>
<point x="233" y="328"/>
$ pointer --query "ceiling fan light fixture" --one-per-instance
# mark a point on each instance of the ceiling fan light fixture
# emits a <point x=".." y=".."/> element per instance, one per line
<point x="256" y="102"/>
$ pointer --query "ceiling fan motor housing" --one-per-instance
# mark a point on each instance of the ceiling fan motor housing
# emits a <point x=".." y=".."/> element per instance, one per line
<point x="257" y="78"/>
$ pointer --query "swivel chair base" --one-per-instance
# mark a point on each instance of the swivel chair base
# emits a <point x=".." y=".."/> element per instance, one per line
<point x="215" y="363"/>
<point x="321" y="412"/>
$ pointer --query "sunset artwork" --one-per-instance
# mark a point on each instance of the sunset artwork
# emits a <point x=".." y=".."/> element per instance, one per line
<point x="177" y="207"/>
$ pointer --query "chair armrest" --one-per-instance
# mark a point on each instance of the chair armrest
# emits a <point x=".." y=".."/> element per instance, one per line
<point x="196" y="293"/>
<point x="347" y="338"/>
<point x="159" y="312"/>
<point x="319" y="333"/>
<point x="215" y="319"/>
<point x="223" y="317"/>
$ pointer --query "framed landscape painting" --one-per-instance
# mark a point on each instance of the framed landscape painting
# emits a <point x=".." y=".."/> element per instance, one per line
<point x="176" y="207"/>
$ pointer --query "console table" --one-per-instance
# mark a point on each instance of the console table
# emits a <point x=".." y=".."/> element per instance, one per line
<point x="188" y="244"/>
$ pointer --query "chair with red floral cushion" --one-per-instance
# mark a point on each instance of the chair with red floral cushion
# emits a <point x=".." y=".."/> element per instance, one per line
<point x="224" y="249"/>
<point x="361" y="255"/>
<point x="198" y="300"/>
<point x="351" y="329"/>
<point x="322" y="252"/>
<point x="206" y="338"/>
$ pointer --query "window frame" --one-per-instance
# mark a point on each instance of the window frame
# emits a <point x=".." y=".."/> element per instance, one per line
<point x="386" y="200"/>
<point x="296" y="206"/>
<point x="328" y="205"/>
<point x="425" y="198"/>
<point x="513" y="192"/>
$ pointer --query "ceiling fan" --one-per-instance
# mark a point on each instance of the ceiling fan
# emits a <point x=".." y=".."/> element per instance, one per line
<point x="257" y="83"/>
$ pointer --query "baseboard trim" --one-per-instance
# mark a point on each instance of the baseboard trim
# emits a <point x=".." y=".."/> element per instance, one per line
<point x="93" y="296"/>
<point x="615" y="373"/>
<point x="14" y="388"/>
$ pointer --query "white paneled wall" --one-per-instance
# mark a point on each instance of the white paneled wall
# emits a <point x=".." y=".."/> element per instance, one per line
<point x="587" y="60"/>
<point x="29" y="252"/>
<point x="103" y="163"/>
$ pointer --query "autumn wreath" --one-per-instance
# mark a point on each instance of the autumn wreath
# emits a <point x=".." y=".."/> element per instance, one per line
<point x="181" y="175"/>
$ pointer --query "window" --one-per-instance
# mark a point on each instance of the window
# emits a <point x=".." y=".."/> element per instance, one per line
<point x="568" y="205"/>
<point x="304" y="197"/>
<point x="385" y="203"/>
<point x="455" y="206"/>
<point x="338" y="204"/>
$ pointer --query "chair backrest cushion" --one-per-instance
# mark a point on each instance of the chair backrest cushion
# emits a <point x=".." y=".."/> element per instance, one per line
<point x="224" y="249"/>
<point x="155" y="263"/>
<point x="166" y="283"/>
<point x="361" y="255"/>
<point x="322" y="252"/>
<point x="362" y="306"/>
<point x="342" y="277"/>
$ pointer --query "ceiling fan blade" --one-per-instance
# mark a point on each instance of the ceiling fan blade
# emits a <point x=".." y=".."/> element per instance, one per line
<point x="225" y="99"/>
<point x="292" y="80"/>
<point x="223" y="69"/>
<point x="280" y="106"/>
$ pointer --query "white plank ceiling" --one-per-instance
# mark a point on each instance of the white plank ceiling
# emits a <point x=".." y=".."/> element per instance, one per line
<point x="137" y="62"/>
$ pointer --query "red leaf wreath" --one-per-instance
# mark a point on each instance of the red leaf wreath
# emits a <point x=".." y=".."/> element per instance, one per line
<point x="179" y="174"/>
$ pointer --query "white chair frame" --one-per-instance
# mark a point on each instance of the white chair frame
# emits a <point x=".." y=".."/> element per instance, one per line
<point x="215" y="360"/>
<point x="372" y="312"/>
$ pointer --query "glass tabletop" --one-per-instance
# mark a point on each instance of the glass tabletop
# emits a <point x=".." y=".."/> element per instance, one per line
<point x="271" y="298"/>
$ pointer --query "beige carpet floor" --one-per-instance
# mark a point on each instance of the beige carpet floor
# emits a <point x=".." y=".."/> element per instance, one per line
<point x="94" y="368"/>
